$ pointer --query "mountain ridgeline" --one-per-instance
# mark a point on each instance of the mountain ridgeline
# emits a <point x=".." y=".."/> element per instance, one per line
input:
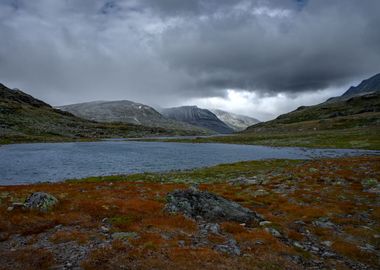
<point x="125" y="111"/>
<point x="199" y="117"/>
<point x="24" y="118"/>
<point x="358" y="107"/>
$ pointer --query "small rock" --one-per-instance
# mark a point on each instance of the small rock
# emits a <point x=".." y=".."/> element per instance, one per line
<point x="41" y="201"/>
<point x="104" y="229"/>
<point x="10" y="208"/>
<point x="313" y="170"/>
<point x="208" y="207"/>
<point x="298" y="245"/>
<point x="265" y="223"/>
<point x="314" y="248"/>
<point x="210" y="227"/>
<point x="273" y="232"/>
<point x="260" y="192"/>
<point x="324" y="222"/>
<point x="230" y="247"/>
<point x="181" y="243"/>
<point x="328" y="254"/>
<point x="327" y="243"/>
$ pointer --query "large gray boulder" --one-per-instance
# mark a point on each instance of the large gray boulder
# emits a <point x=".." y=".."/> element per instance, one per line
<point x="40" y="201"/>
<point x="209" y="207"/>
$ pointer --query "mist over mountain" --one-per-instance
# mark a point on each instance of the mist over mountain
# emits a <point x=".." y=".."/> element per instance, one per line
<point x="237" y="122"/>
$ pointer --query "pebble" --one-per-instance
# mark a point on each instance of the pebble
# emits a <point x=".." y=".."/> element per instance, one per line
<point x="273" y="232"/>
<point x="327" y="243"/>
<point x="264" y="223"/>
<point x="104" y="229"/>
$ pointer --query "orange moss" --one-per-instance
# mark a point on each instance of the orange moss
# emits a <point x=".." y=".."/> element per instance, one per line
<point x="26" y="259"/>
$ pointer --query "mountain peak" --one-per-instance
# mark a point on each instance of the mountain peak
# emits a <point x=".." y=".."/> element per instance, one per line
<point x="366" y="86"/>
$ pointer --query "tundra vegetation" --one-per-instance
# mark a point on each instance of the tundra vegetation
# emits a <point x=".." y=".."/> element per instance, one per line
<point x="317" y="214"/>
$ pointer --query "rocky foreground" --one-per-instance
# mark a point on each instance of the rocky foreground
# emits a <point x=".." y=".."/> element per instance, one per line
<point x="320" y="214"/>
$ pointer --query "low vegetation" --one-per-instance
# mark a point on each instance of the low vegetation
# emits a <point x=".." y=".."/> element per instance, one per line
<point x="321" y="214"/>
<point x="351" y="138"/>
<point x="26" y="119"/>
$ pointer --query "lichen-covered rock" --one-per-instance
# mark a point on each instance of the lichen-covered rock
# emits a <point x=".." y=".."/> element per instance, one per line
<point x="209" y="207"/>
<point x="40" y="201"/>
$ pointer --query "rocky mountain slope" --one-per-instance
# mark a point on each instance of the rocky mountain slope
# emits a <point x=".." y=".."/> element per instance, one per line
<point x="24" y="118"/>
<point x="368" y="86"/>
<point x="358" y="107"/>
<point x="235" y="121"/>
<point x="198" y="117"/>
<point x="125" y="111"/>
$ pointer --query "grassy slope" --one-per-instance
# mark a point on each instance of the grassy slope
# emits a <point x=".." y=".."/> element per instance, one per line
<point x="292" y="196"/>
<point x="26" y="122"/>
<point x="347" y="124"/>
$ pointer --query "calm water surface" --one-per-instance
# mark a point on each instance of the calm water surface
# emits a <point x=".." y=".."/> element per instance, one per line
<point x="29" y="163"/>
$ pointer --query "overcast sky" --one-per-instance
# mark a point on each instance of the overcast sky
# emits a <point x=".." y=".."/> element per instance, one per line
<point x="257" y="57"/>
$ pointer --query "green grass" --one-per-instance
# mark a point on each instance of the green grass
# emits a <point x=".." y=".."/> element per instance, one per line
<point x="355" y="138"/>
<point x="215" y="174"/>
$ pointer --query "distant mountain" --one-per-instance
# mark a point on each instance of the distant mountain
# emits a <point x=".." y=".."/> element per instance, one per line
<point x="365" y="87"/>
<point x="235" y="121"/>
<point x="358" y="107"/>
<point x="25" y="118"/>
<point x="125" y="111"/>
<point x="198" y="117"/>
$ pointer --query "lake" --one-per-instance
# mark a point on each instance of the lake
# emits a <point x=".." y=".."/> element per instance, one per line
<point x="30" y="163"/>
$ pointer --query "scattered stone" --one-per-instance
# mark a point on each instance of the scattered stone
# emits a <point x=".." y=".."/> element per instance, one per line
<point x="298" y="245"/>
<point x="313" y="170"/>
<point x="124" y="235"/>
<point x="273" y="232"/>
<point x="209" y="207"/>
<point x="367" y="247"/>
<point x="104" y="229"/>
<point x="210" y="227"/>
<point x="259" y="193"/>
<point x="230" y="247"/>
<point x="40" y="201"/>
<point x="265" y="223"/>
<point x="327" y="243"/>
<point x="181" y="243"/>
<point x="328" y="254"/>
<point x="324" y="222"/>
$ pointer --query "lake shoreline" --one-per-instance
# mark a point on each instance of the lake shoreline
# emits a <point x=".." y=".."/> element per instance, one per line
<point x="63" y="161"/>
<point x="308" y="206"/>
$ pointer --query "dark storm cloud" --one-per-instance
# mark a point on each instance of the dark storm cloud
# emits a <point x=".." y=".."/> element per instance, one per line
<point x="282" y="49"/>
<point x="164" y="51"/>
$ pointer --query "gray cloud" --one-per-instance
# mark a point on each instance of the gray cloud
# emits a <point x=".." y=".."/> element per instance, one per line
<point x="166" y="51"/>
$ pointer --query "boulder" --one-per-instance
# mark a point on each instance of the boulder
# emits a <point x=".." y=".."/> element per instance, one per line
<point x="40" y="201"/>
<point x="203" y="205"/>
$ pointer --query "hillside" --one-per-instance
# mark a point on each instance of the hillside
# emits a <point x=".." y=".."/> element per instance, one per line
<point x="235" y="121"/>
<point x="125" y="111"/>
<point x="365" y="87"/>
<point x="24" y="118"/>
<point x="357" y="111"/>
<point x="197" y="117"/>
<point x="349" y="121"/>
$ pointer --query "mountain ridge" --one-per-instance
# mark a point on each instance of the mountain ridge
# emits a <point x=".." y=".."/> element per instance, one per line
<point x="126" y="111"/>
<point x="199" y="117"/>
<point x="24" y="118"/>
<point x="237" y="122"/>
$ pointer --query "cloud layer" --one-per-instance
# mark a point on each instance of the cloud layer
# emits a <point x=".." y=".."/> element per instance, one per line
<point x="169" y="51"/>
